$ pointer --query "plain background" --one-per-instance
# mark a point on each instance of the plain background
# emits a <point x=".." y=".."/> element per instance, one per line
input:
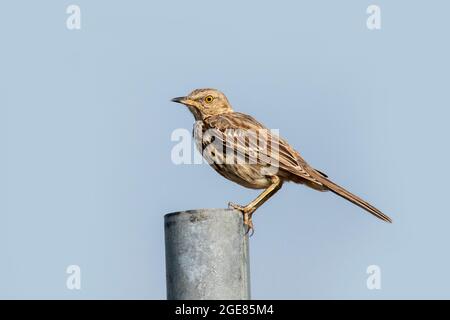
<point x="85" y="121"/>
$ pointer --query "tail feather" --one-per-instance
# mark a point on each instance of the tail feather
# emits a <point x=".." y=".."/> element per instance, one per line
<point x="333" y="187"/>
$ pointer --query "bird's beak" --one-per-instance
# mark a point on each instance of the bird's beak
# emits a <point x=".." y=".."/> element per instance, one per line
<point x="183" y="100"/>
<point x="178" y="99"/>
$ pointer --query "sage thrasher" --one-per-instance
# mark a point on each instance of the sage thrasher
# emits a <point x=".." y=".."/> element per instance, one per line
<point x="218" y="129"/>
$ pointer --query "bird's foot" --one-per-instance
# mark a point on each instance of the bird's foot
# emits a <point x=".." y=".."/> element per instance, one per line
<point x="249" y="223"/>
<point x="247" y="214"/>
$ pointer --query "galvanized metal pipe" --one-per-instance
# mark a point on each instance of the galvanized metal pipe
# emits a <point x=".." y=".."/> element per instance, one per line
<point x="206" y="255"/>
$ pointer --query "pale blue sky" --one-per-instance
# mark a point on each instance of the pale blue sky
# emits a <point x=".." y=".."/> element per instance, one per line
<point x="85" y="123"/>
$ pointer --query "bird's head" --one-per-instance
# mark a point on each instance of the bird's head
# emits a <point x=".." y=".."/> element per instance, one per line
<point x="205" y="102"/>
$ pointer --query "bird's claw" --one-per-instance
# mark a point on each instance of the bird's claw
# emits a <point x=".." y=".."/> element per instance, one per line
<point x="232" y="205"/>
<point x="247" y="214"/>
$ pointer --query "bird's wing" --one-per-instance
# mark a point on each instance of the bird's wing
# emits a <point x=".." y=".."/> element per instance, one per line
<point x="242" y="133"/>
<point x="290" y="163"/>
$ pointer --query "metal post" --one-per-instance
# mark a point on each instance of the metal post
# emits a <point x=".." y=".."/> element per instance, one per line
<point x="206" y="255"/>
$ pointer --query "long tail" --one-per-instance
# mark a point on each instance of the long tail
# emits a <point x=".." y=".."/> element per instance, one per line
<point x="351" y="197"/>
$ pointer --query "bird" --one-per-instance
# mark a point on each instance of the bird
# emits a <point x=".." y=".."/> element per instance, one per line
<point x="219" y="129"/>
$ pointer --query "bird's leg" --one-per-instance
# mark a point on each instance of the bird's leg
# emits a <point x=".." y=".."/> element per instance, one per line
<point x="250" y="208"/>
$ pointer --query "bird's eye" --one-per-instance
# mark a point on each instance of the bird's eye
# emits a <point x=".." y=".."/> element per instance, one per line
<point x="209" y="99"/>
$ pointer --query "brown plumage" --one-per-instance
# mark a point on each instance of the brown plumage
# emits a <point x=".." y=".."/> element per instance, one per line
<point x="244" y="151"/>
